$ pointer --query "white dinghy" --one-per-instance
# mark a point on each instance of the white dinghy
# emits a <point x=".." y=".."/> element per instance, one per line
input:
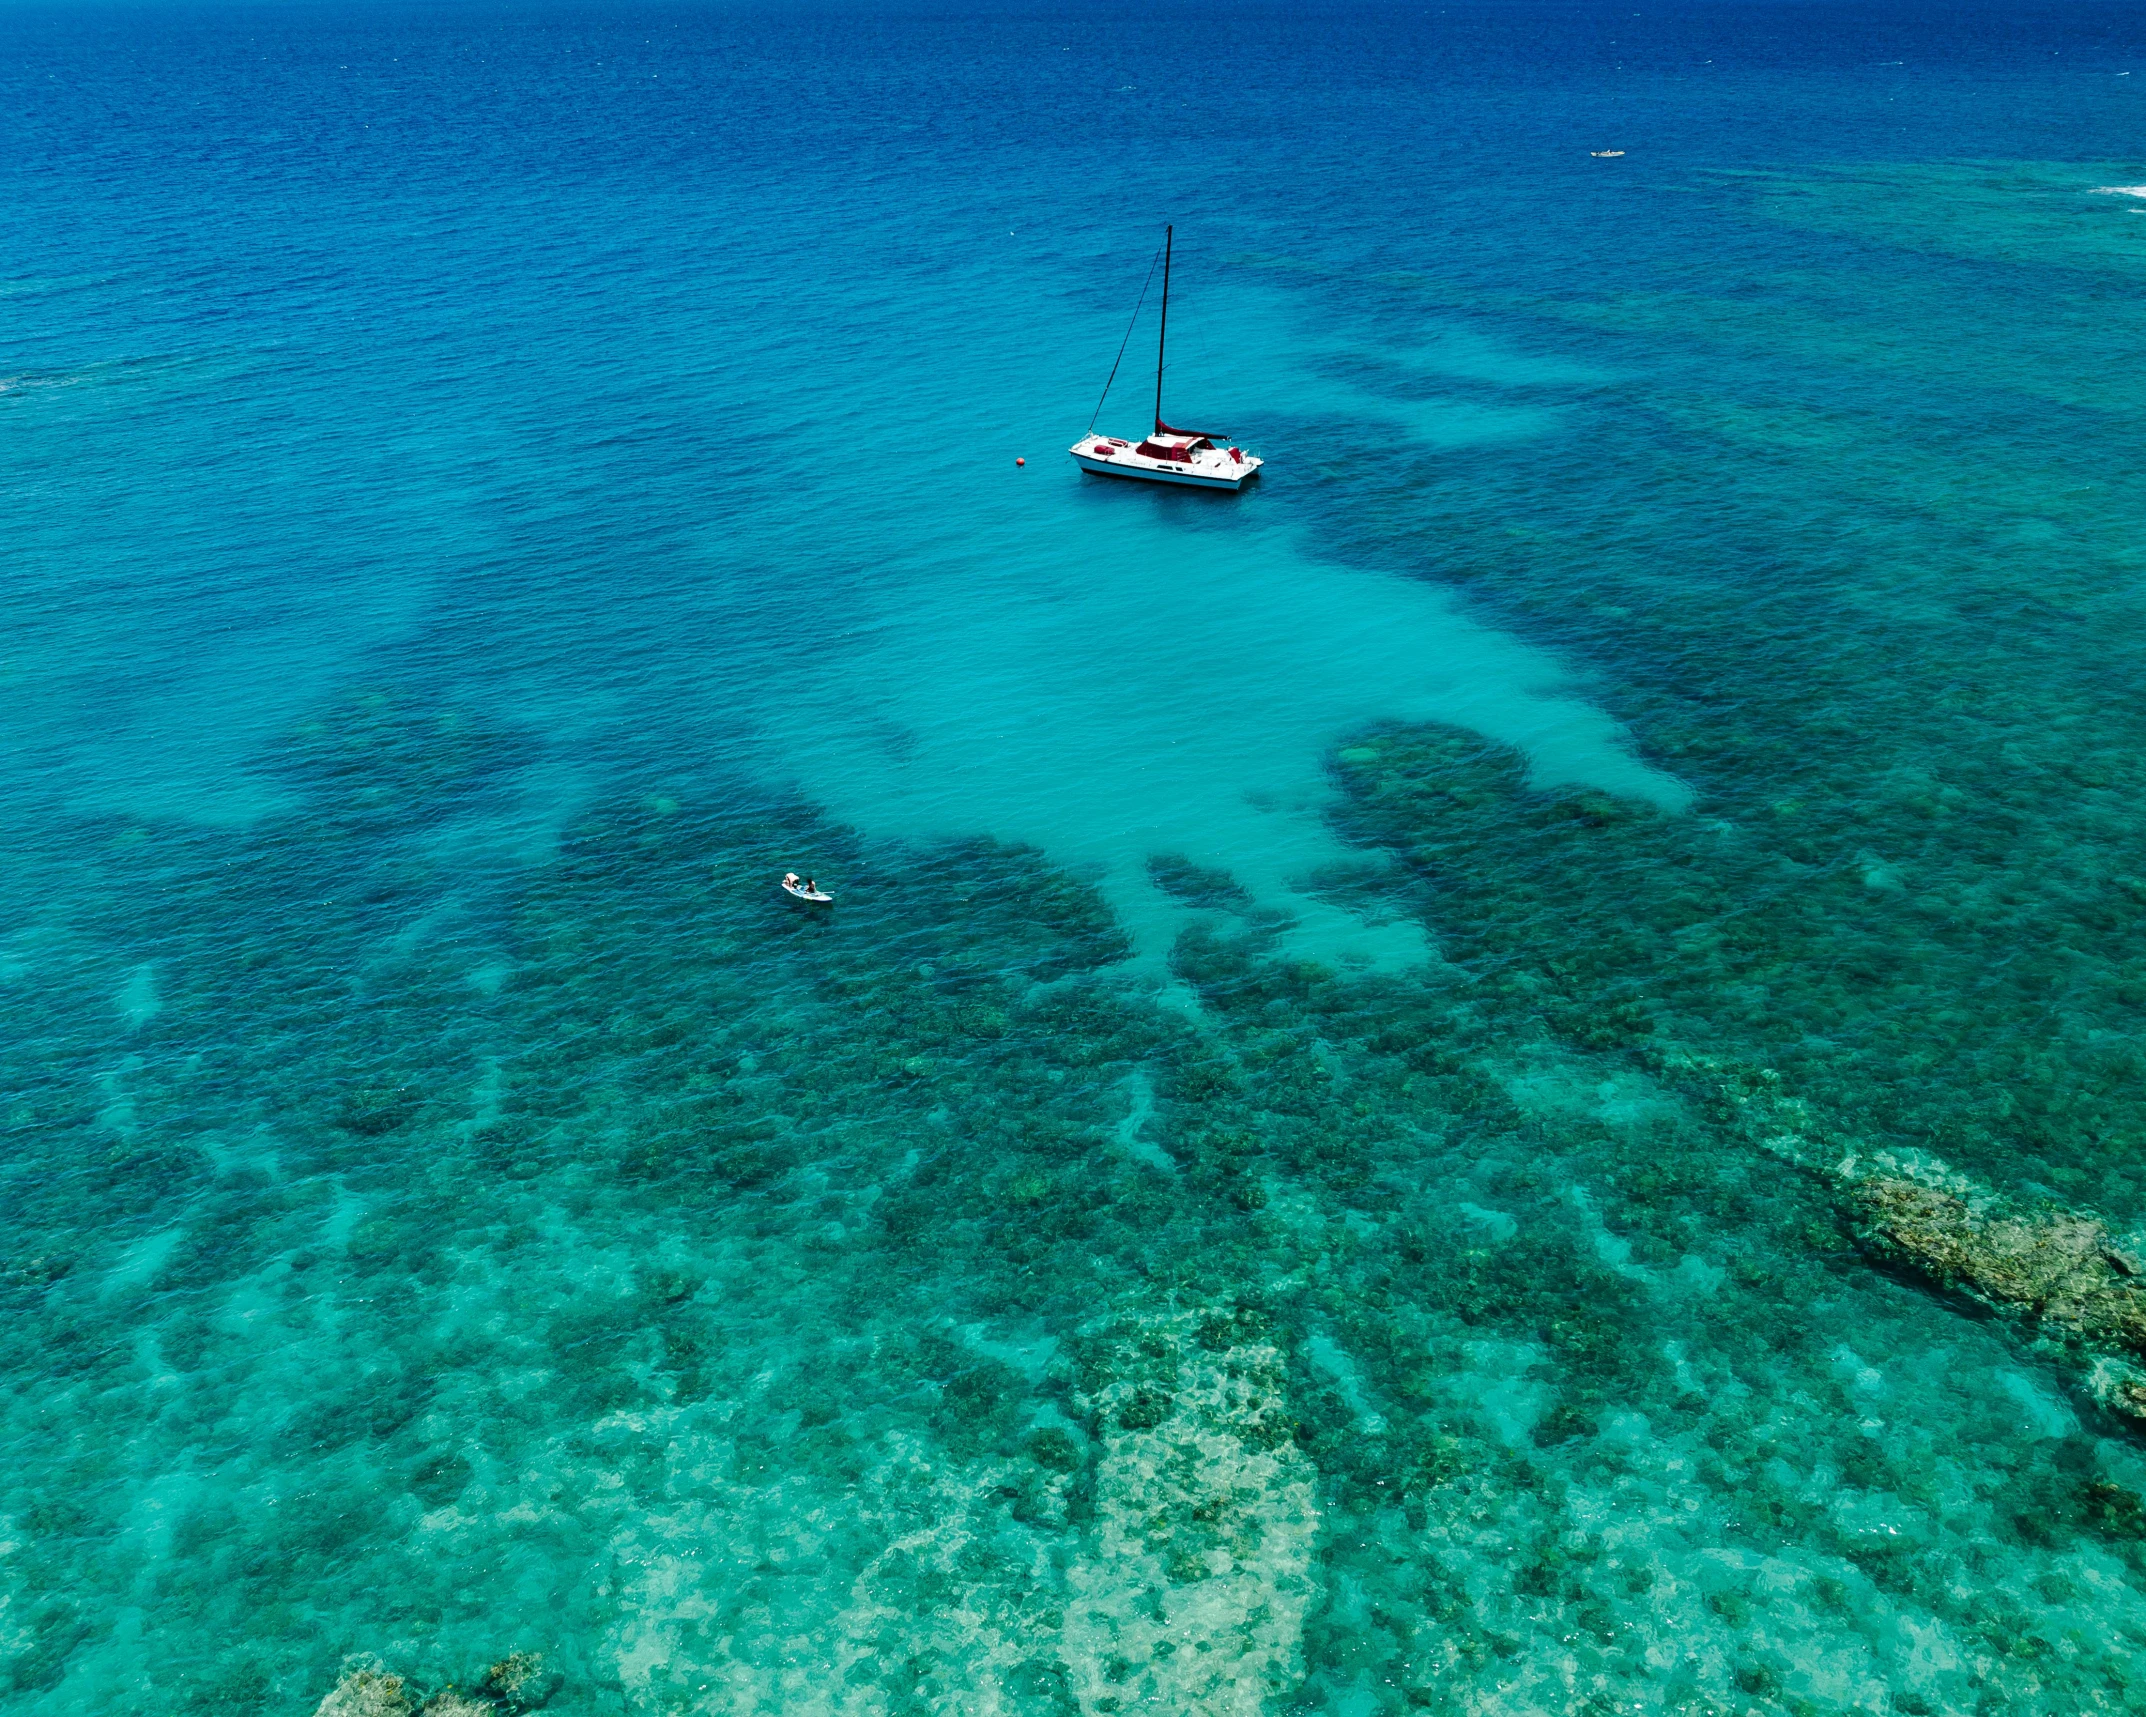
<point x="1196" y="458"/>
<point x="805" y="891"/>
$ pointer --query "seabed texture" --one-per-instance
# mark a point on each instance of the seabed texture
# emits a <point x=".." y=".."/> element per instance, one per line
<point x="1447" y="1339"/>
<point x="1504" y="1081"/>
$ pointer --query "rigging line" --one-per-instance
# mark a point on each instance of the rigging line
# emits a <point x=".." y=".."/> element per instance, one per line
<point x="1128" y="340"/>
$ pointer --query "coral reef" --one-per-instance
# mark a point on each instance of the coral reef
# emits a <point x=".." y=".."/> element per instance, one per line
<point x="2054" y="1264"/>
<point x="365" y="1689"/>
<point x="745" y="1310"/>
<point x="517" y="1678"/>
<point x="1676" y="933"/>
<point x="1191" y="1595"/>
<point x="1159" y="1549"/>
<point x="449" y="1703"/>
<point x="2059" y="1270"/>
<point x="452" y="1203"/>
<point x="454" y="1243"/>
<point x="739" y="1308"/>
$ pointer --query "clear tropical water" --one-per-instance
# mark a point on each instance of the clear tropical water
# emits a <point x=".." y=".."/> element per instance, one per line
<point x="1211" y="1222"/>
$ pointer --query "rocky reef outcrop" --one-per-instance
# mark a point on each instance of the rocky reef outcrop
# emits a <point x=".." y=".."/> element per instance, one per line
<point x="2058" y="1270"/>
<point x="366" y="1688"/>
<point x="1191" y="1595"/>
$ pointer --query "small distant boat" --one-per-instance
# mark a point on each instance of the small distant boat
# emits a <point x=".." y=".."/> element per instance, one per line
<point x="1192" y="457"/>
<point x="1605" y="154"/>
<point x="797" y="890"/>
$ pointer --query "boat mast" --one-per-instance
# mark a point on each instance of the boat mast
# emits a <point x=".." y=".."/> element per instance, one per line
<point x="1164" y="334"/>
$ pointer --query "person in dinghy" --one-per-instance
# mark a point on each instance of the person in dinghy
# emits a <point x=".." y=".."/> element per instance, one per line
<point x="807" y="890"/>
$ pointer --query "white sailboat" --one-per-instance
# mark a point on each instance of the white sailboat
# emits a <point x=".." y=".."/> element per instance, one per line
<point x="1193" y="457"/>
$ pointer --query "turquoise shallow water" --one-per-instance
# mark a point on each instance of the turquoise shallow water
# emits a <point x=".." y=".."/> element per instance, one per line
<point x="1243" y="1207"/>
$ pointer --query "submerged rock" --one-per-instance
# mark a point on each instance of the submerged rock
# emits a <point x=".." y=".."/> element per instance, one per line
<point x="2051" y="1266"/>
<point x="517" y="1677"/>
<point x="453" y="1704"/>
<point x="366" y="1690"/>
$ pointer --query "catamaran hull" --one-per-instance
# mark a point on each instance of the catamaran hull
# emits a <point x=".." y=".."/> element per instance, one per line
<point x="1148" y="474"/>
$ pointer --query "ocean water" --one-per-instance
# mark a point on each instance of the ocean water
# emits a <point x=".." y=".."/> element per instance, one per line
<point x="1236" y="1210"/>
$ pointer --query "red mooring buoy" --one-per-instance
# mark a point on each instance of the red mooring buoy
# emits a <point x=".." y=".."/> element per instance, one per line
<point x="1020" y="461"/>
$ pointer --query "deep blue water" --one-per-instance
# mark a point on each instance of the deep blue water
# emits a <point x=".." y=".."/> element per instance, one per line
<point x="1235" y="1209"/>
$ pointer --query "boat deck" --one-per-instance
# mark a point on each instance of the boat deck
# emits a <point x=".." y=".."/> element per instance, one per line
<point x="1201" y="467"/>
